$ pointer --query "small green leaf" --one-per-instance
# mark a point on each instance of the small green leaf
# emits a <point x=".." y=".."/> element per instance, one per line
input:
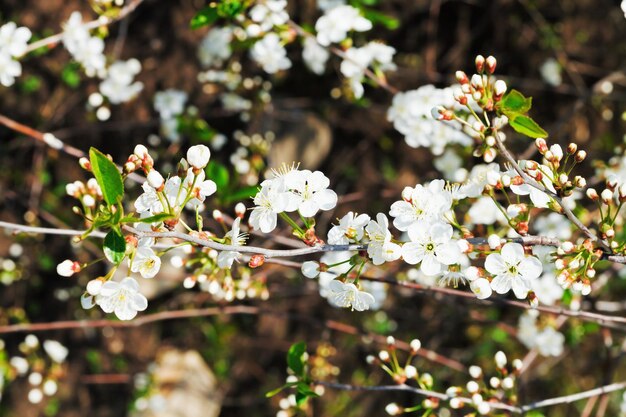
<point x="515" y="102"/>
<point x="71" y="75"/>
<point x="108" y="177"/>
<point x="294" y="358"/>
<point x="114" y="246"/>
<point x="527" y="126"/>
<point x="279" y="389"/>
<point x="304" y="388"/>
<point x="204" y="17"/>
<point x="388" y="22"/>
<point x="300" y="398"/>
<point x="219" y="174"/>
<point x="241" y="194"/>
<point x="157" y="218"/>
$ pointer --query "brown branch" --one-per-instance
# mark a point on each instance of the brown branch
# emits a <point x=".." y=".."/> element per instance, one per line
<point x="54" y="40"/>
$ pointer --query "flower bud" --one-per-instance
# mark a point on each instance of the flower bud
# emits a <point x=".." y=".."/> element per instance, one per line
<point x="491" y="64"/>
<point x="218" y="216"/>
<point x="310" y="269"/>
<point x="461" y="77"/>
<point x="557" y="152"/>
<point x="541" y="145"/>
<point x="140" y="152"/>
<point x="475" y="371"/>
<point x="580" y="182"/>
<point x="415" y="345"/>
<point x="592" y="194"/>
<point x="490" y="140"/>
<point x="472" y="387"/>
<point x="500" y="122"/>
<point x="480" y="63"/>
<point x="393" y="409"/>
<point x="483" y="408"/>
<point x="500" y="359"/>
<point x="563" y="178"/>
<point x="567" y="247"/>
<point x="240" y="210"/>
<point x="198" y="156"/>
<point x="256" y="260"/>
<point x="155" y="179"/>
<point x="85" y="164"/>
<point x="607" y="196"/>
<point x="572" y="148"/>
<point x="383" y="355"/>
<point x="580" y="156"/>
<point x="494" y="241"/>
<point x="391" y="341"/>
<point x="477" y="81"/>
<point x="67" y="268"/>
<point x="95" y="285"/>
<point x="410" y="371"/>
<point x="508" y="383"/>
<point x="499" y="88"/>
<point x="459" y="96"/>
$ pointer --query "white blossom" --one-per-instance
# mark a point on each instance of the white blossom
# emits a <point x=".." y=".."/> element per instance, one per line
<point x="198" y="156"/>
<point x="421" y="205"/>
<point x="269" y="13"/>
<point x="350" y="229"/>
<point x="348" y="295"/>
<point x="234" y="237"/>
<point x="512" y="269"/>
<point x="335" y="24"/>
<point x="314" y="55"/>
<point x="310" y="192"/>
<point x="215" y="47"/>
<point x="271" y="200"/>
<point x="432" y="247"/>
<point x="270" y="54"/>
<point x="55" y="350"/>
<point x="170" y="103"/>
<point x="14" y="39"/>
<point x="122" y="298"/>
<point x="9" y="69"/>
<point x="380" y="248"/>
<point x="146" y="262"/>
<point x="118" y="86"/>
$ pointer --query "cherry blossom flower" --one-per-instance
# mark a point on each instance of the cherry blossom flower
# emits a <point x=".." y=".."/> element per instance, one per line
<point x="122" y="298"/>
<point x="310" y="192"/>
<point x="481" y="288"/>
<point x="348" y="295"/>
<point x="118" y="86"/>
<point x="315" y="56"/>
<point x="432" y="247"/>
<point x="270" y="54"/>
<point x="538" y="197"/>
<point x="269" y="13"/>
<point x="146" y="262"/>
<point x="512" y="270"/>
<point x="310" y="269"/>
<point x="380" y="247"/>
<point x="215" y="47"/>
<point x="14" y="39"/>
<point x="55" y="350"/>
<point x="67" y="268"/>
<point x="270" y="200"/>
<point x="236" y="238"/>
<point x="10" y="69"/>
<point x="170" y="103"/>
<point x="335" y="24"/>
<point x="350" y="229"/>
<point x="422" y="204"/>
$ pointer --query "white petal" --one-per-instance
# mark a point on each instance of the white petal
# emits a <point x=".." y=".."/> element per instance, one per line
<point x="501" y="284"/>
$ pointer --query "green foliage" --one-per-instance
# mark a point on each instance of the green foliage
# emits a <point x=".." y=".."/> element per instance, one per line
<point x="515" y="105"/>
<point x="108" y="177"/>
<point x="219" y="174"/>
<point x="30" y="84"/>
<point x="297" y="364"/>
<point x="114" y="246"/>
<point x="225" y="9"/>
<point x="71" y="75"/>
<point x="295" y="359"/>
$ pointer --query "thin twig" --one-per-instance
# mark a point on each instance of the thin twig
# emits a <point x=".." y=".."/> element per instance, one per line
<point x="54" y="40"/>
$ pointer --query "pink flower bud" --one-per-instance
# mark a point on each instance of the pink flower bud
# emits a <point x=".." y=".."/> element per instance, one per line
<point x="491" y="64"/>
<point x="480" y="63"/>
<point x="499" y="88"/>
<point x="67" y="268"/>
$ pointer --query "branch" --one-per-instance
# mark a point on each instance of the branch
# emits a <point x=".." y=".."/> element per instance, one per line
<point x="530" y="181"/>
<point x="54" y="40"/>
<point x="567" y="399"/>
<point x="52" y="141"/>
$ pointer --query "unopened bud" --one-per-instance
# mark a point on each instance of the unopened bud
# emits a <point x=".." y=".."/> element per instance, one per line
<point x="477" y="81"/>
<point x="592" y="194"/>
<point x="541" y="145"/>
<point x="415" y="345"/>
<point x="499" y="88"/>
<point x="490" y="140"/>
<point x="572" y="148"/>
<point x="391" y="341"/>
<point x="610" y="234"/>
<point x="563" y="178"/>
<point x="500" y="359"/>
<point x="256" y="260"/>
<point x="141" y="152"/>
<point x="580" y="182"/>
<point x="557" y="152"/>
<point x="217" y="215"/>
<point x="580" y="156"/>
<point x="85" y="164"/>
<point x="607" y="196"/>
<point x="240" y="210"/>
<point x="491" y="64"/>
<point x="155" y="179"/>
<point x="383" y="355"/>
<point x="480" y="63"/>
<point x="461" y="77"/>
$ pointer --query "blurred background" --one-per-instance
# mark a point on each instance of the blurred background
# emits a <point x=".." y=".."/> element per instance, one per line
<point x="569" y="56"/>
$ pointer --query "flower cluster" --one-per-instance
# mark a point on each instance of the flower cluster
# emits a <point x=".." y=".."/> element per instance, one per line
<point x="13" y="44"/>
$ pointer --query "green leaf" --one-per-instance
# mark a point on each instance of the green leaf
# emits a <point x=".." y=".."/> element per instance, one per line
<point x="114" y="246"/>
<point x="300" y="398"/>
<point x="304" y="388"/>
<point x="241" y="194"/>
<point x="219" y="174"/>
<point x="527" y="126"/>
<point x="388" y="22"/>
<point x="515" y="102"/>
<point x="107" y="175"/>
<point x="204" y="17"/>
<point x="273" y="392"/>
<point x="71" y="75"/>
<point x="294" y="358"/>
<point x="152" y="219"/>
